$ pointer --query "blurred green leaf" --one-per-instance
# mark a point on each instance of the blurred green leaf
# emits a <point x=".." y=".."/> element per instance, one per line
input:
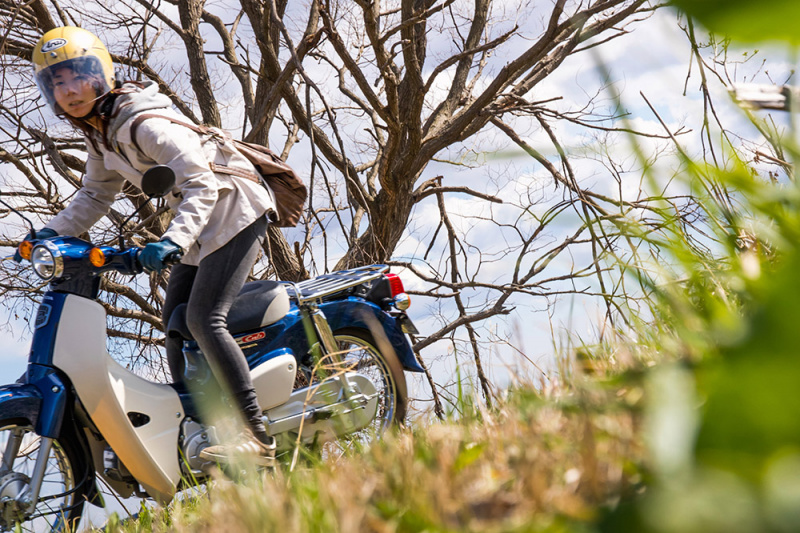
<point x="746" y="20"/>
<point x="752" y="408"/>
<point x="469" y="454"/>
<point x="671" y="419"/>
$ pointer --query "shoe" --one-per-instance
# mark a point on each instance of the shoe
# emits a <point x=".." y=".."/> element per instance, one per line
<point x="246" y="448"/>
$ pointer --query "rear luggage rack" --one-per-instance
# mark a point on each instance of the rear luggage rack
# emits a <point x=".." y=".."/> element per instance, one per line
<point x="328" y="284"/>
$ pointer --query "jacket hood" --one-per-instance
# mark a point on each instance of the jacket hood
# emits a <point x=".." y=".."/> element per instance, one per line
<point x="132" y="100"/>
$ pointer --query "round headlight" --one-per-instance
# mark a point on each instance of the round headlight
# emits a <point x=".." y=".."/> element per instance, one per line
<point x="47" y="261"/>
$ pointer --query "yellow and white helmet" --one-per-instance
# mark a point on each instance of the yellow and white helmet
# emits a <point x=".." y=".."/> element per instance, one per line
<point x="76" y="49"/>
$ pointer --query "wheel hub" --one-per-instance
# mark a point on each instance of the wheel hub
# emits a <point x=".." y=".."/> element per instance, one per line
<point x="12" y="486"/>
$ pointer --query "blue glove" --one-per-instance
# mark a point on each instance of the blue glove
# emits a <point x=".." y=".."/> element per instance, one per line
<point x="153" y="255"/>
<point x="43" y="233"/>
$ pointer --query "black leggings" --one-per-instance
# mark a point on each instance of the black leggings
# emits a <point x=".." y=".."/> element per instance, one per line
<point x="209" y="291"/>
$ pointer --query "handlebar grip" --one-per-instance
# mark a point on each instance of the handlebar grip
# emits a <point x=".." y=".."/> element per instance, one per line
<point x="173" y="258"/>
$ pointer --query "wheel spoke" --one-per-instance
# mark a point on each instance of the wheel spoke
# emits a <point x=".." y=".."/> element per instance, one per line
<point x="58" y="494"/>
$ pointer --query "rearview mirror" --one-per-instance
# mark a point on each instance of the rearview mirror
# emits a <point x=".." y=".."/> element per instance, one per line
<point x="158" y="181"/>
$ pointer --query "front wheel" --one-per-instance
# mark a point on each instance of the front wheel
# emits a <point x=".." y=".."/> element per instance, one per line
<point x="61" y="497"/>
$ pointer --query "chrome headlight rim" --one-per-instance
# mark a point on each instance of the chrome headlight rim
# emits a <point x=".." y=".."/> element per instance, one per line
<point x="55" y="257"/>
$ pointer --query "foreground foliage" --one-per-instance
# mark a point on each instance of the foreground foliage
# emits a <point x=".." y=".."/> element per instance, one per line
<point x="705" y="439"/>
<point x="688" y="421"/>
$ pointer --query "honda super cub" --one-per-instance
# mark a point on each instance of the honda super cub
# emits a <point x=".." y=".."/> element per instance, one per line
<point x="327" y="357"/>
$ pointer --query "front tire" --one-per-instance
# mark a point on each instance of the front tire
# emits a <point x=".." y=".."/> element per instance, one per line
<point x="63" y="491"/>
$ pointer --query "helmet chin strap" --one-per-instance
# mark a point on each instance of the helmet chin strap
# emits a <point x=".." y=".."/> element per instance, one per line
<point x="97" y="103"/>
<point x="95" y="106"/>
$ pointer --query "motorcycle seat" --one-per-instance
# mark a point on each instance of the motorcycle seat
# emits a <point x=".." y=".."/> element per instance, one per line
<point x="259" y="304"/>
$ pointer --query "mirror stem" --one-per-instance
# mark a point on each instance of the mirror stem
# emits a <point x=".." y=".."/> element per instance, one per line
<point x="122" y="226"/>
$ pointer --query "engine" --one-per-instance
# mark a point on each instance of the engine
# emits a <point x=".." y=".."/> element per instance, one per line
<point x="194" y="438"/>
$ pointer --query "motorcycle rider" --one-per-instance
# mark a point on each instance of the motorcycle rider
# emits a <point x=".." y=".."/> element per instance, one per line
<point x="219" y="218"/>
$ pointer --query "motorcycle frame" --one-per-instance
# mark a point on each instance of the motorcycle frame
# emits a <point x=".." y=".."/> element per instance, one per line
<point x="323" y="319"/>
<point x="319" y="308"/>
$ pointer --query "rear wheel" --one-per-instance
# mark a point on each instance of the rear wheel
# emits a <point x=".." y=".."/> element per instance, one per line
<point x="61" y="497"/>
<point x="359" y="352"/>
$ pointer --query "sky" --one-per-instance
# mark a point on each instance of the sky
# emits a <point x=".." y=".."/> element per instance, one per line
<point x="14" y="353"/>
<point x="651" y="62"/>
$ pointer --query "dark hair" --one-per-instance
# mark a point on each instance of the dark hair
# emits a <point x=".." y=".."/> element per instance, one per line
<point x="87" y="129"/>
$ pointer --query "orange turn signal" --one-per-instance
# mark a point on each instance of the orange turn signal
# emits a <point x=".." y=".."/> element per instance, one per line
<point x="97" y="257"/>
<point x="25" y="249"/>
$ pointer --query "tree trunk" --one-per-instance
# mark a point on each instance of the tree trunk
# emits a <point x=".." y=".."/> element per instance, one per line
<point x="390" y="213"/>
<point x="285" y="262"/>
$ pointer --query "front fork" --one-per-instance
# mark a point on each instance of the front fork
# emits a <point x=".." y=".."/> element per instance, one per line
<point x="32" y="496"/>
<point x="28" y="498"/>
<point x="12" y="449"/>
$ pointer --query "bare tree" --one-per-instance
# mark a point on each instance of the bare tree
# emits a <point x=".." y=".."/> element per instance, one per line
<point x="371" y="94"/>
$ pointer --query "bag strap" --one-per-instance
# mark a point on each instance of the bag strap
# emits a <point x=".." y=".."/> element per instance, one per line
<point x="200" y="130"/>
<point x="231" y="171"/>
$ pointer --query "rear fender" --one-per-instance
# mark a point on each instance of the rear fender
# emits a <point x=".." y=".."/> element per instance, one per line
<point x="356" y="313"/>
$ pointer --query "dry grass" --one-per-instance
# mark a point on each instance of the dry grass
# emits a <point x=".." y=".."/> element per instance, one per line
<point x="541" y="461"/>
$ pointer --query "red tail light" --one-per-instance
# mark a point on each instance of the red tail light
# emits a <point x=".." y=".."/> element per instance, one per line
<point x="396" y="284"/>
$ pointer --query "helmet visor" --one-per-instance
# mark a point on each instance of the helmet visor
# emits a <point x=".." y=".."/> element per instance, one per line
<point x="88" y="67"/>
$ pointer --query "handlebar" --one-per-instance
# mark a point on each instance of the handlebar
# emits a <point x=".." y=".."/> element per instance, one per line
<point x="65" y="257"/>
<point x="123" y="261"/>
<point x="128" y="262"/>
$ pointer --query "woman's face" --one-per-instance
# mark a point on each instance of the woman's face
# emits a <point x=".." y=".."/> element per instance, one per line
<point x="74" y="92"/>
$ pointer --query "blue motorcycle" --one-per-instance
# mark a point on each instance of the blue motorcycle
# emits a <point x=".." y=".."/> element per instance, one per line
<point x="327" y="358"/>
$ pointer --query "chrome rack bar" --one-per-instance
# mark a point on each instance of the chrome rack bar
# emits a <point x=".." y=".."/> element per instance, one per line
<point x="327" y="284"/>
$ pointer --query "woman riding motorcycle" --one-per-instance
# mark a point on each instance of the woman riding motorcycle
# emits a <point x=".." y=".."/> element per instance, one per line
<point x="219" y="218"/>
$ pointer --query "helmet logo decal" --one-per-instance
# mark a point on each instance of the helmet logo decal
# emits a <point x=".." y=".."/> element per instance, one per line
<point x="53" y="44"/>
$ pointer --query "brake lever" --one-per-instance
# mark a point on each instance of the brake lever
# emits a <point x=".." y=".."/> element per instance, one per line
<point x="173" y="258"/>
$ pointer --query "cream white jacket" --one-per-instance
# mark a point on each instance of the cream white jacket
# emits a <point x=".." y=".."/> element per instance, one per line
<point x="210" y="208"/>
